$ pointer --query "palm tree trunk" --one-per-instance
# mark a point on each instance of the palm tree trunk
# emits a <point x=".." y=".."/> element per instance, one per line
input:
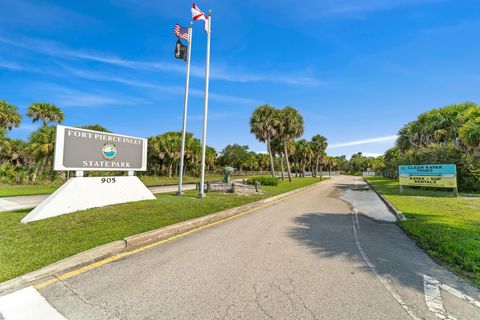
<point x="286" y="160"/>
<point x="170" y="170"/>
<point x="281" y="164"/>
<point x="316" y="166"/>
<point x="272" y="167"/>
<point x="295" y="166"/>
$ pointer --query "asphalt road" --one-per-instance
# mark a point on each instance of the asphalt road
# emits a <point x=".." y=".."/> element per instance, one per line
<point x="307" y="257"/>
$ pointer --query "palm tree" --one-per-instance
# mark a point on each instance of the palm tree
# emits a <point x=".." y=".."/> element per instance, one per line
<point x="9" y="116"/>
<point x="290" y="128"/>
<point x="264" y="123"/>
<point x="319" y="145"/>
<point x="277" y="149"/>
<point x="470" y="134"/>
<point x="41" y="148"/>
<point x="304" y="151"/>
<point x="47" y="112"/>
<point x="13" y="151"/>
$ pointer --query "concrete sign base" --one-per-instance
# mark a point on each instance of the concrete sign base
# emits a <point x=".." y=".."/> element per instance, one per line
<point x="91" y="192"/>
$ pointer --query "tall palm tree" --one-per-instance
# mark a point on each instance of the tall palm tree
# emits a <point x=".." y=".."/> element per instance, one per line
<point x="41" y="148"/>
<point x="304" y="152"/>
<point x="47" y="112"/>
<point x="319" y="145"/>
<point x="9" y="116"/>
<point x="290" y="128"/>
<point x="264" y="124"/>
<point x="277" y="150"/>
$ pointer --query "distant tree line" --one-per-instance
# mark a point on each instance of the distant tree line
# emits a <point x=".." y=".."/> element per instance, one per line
<point x="31" y="161"/>
<point x="450" y="134"/>
<point x="447" y="135"/>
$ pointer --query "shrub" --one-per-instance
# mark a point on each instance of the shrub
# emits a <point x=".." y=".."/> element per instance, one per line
<point x="264" y="181"/>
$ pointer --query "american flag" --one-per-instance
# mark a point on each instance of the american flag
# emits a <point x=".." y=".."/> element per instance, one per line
<point x="180" y="32"/>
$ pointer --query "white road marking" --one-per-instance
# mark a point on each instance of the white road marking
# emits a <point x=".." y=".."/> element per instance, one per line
<point x="433" y="297"/>
<point x="385" y="281"/>
<point x="27" y="304"/>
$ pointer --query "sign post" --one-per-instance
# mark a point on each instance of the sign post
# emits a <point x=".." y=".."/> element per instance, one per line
<point x="83" y="150"/>
<point x="185" y="108"/>
<point x="429" y="175"/>
<point x="205" y="110"/>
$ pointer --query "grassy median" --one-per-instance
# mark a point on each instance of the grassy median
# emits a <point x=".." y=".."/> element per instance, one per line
<point x="25" y="248"/>
<point x="448" y="228"/>
<point x="7" y="190"/>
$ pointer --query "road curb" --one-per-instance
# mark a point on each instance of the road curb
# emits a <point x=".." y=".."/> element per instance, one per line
<point x="64" y="265"/>
<point x="389" y="205"/>
<point x="130" y="243"/>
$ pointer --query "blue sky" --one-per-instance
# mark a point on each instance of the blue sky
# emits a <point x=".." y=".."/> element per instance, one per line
<point x="356" y="69"/>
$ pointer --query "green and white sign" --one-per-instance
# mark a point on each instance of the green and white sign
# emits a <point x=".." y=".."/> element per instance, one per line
<point x="428" y="175"/>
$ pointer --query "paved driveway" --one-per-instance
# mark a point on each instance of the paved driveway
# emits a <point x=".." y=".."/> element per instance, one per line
<point x="307" y="257"/>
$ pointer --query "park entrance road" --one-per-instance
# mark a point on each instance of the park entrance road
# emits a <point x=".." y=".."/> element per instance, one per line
<point x="307" y="257"/>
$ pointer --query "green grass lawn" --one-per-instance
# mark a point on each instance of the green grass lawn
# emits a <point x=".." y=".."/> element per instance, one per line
<point x="448" y="228"/>
<point x="161" y="181"/>
<point x="26" y="190"/>
<point x="25" y="248"/>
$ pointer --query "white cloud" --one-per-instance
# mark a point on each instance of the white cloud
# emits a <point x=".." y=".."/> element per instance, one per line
<point x="176" y="90"/>
<point x="179" y="90"/>
<point x="363" y="6"/>
<point x="217" y="73"/>
<point x="390" y="138"/>
<point x="372" y="154"/>
<point x="316" y="10"/>
<point x="11" y="66"/>
<point x="66" y="97"/>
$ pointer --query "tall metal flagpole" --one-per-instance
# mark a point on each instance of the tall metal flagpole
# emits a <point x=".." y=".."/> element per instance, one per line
<point x="185" y="108"/>
<point x="205" y="111"/>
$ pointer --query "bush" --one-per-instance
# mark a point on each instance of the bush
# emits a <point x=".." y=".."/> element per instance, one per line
<point x="264" y="181"/>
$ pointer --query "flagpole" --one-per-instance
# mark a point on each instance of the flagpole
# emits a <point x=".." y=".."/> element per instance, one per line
<point x="185" y="108"/>
<point x="205" y="110"/>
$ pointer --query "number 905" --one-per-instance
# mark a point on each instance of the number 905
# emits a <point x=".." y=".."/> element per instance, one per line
<point x="108" y="180"/>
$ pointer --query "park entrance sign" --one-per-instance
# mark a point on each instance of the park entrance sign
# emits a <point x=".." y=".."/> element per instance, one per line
<point x="82" y="150"/>
<point x="428" y="175"/>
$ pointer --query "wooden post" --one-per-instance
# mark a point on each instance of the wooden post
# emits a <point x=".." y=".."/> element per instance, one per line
<point x="455" y="192"/>
<point x="401" y="188"/>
